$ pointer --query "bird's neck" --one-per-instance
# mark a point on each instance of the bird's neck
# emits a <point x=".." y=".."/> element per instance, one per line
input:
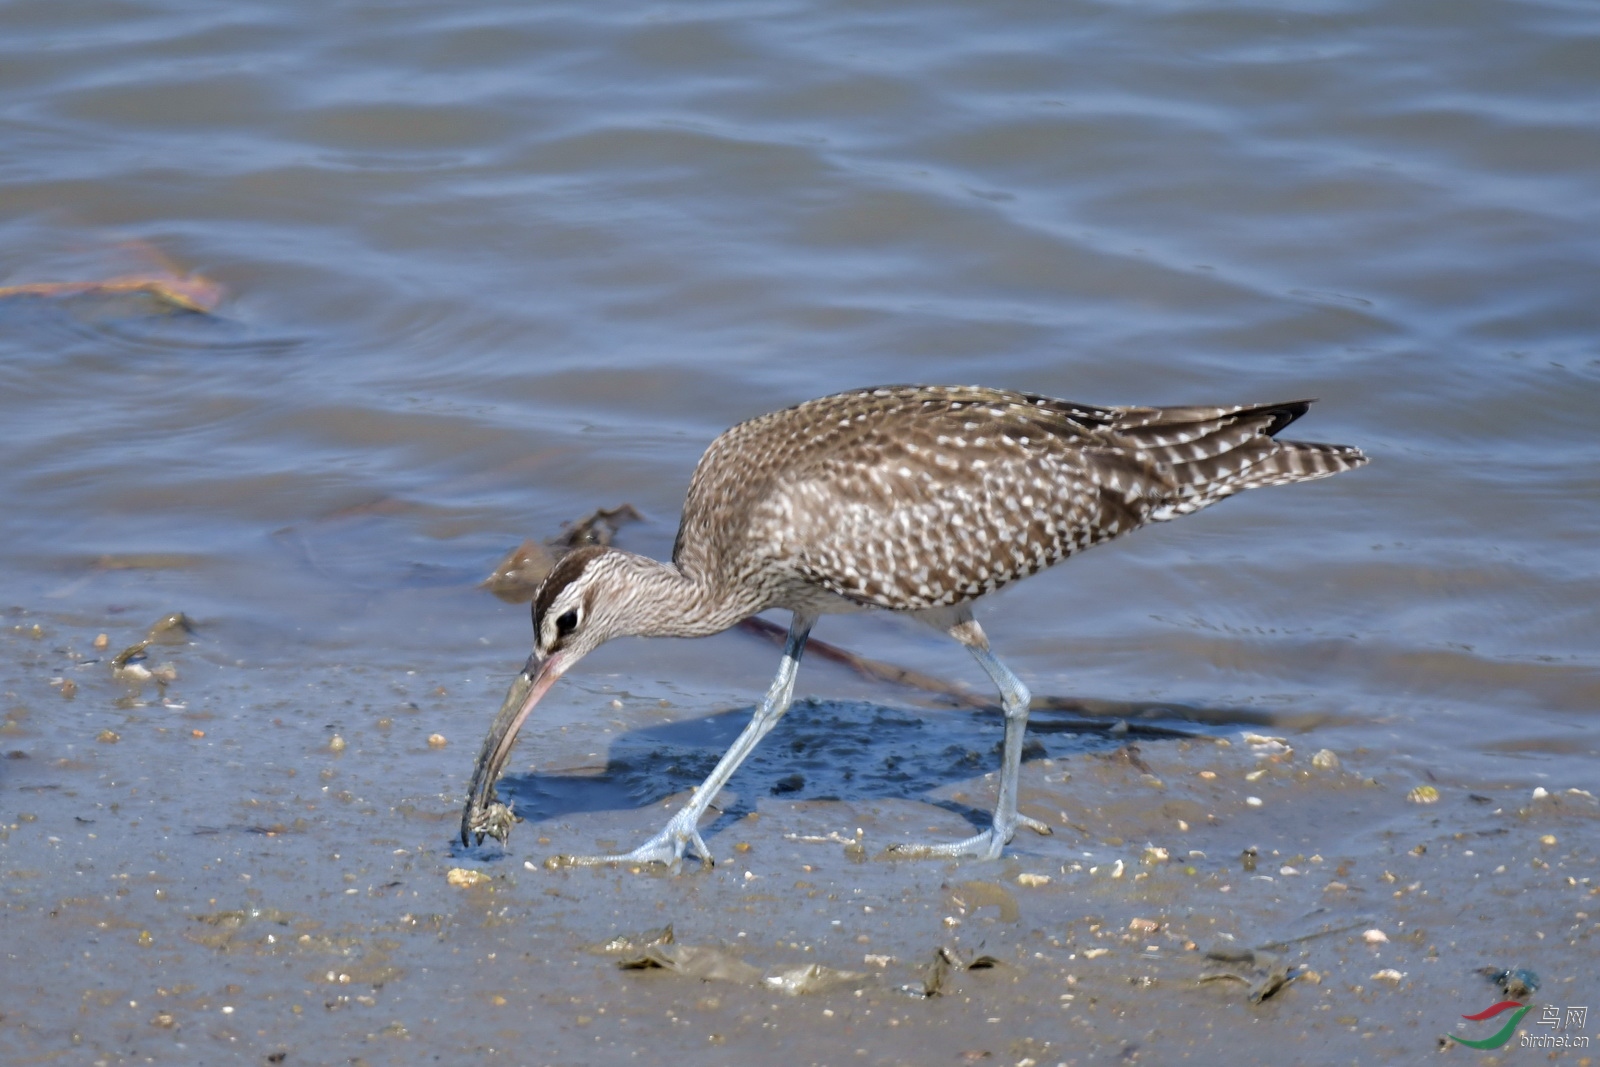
<point x="669" y="602"/>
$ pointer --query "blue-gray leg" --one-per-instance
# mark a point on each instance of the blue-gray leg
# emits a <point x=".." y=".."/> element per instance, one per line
<point x="682" y="833"/>
<point x="1014" y="701"/>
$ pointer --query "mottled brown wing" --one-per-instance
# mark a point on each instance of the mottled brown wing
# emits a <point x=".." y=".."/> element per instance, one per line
<point x="912" y="497"/>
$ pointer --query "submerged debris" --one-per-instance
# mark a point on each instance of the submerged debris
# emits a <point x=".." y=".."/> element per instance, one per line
<point x="1423" y="794"/>
<point x="1275" y="748"/>
<point x="467" y="878"/>
<point x="947" y="960"/>
<point x="517" y="577"/>
<point x="169" y="290"/>
<point x="1264" y="973"/>
<point x="694" y="961"/>
<point x="128" y="665"/>
<point x="811" y="978"/>
<point x="636" y="943"/>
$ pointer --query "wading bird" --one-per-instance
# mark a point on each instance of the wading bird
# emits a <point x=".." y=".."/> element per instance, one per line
<point x="916" y="499"/>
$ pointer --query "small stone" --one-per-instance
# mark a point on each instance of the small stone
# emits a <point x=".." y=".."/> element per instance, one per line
<point x="336" y="743"/>
<point x="1389" y="974"/>
<point x="1423" y="794"/>
<point x="1208" y="775"/>
<point x="437" y="741"/>
<point x="1095" y="953"/>
<point x="1143" y="926"/>
<point x="1540" y="792"/>
<point x="1254" y="802"/>
<point x="1325" y="760"/>
<point x="1033" y="880"/>
<point x="102" y="641"/>
<point x="1375" y="937"/>
<point x="1154" y="854"/>
<point x="1548" y="839"/>
<point x="69" y="688"/>
<point x="108" y="737"/>
<point x="466" y="878"/>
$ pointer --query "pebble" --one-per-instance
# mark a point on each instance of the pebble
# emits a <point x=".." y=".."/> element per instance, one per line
<point x="1033" y="880"/>
<point x="1375" y="937"/>
<point x="466" y="878"/>
<point x="437" y="741"/>
<point x="1423" y="794"/>
<point x="1325" y="760"/>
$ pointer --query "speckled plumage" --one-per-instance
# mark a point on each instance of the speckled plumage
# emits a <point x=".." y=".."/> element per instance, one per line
<point x="916" y="497"/>
<point x="908" y="498"/>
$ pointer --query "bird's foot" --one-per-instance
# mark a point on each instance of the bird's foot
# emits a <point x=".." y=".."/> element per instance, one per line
<point x="985" y="846"/>
<point x="678" y="837"/>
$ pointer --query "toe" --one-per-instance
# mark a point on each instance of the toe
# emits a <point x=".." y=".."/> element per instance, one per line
<point x="1035" y="825"/>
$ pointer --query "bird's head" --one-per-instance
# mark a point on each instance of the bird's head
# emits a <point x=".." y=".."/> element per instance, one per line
<point x="588" y="598"/>
<point x="581" y="604"/>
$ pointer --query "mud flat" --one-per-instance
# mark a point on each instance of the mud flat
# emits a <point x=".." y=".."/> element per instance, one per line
<point x="247" y="866"/>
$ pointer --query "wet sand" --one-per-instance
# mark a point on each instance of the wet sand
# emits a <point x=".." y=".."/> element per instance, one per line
<point x="212" y="877"/>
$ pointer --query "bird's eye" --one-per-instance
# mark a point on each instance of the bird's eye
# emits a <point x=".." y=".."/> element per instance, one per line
<point x="567" y="622"/>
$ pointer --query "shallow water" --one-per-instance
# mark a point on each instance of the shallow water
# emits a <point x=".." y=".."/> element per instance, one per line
<point x="488" y="268"/>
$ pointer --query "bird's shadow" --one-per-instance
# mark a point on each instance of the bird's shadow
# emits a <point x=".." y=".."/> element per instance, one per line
<point x="821" y="750"/>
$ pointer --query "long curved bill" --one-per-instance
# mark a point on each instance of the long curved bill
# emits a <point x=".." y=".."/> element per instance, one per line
<point x="484" y="815"/>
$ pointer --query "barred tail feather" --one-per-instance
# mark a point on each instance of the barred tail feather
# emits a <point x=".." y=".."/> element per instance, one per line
<point x="1260" y="463"/>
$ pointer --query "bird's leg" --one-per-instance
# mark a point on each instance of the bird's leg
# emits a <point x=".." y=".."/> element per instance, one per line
<point x="681" y="834"/>
<point x="1014" y="701"/>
